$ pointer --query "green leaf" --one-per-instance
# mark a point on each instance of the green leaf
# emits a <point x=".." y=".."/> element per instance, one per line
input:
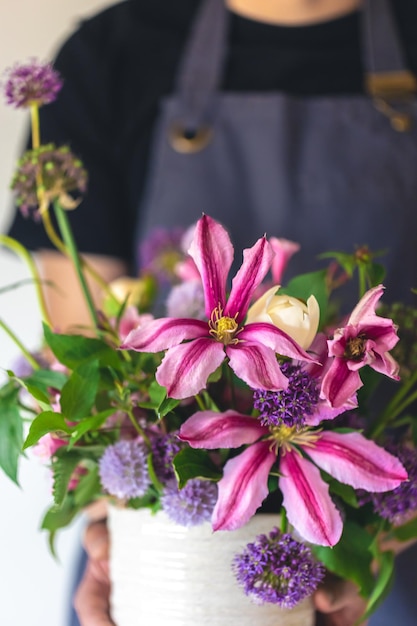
<point x="351" y="558"/>
<point x="376" y="274"/>
<point x="73" y="350"/>
<point x="11" y="430"/>
<point x="45" y="379"/>
<point x="166" y="406"/>
<point x="78" y="394"/>
<point x="88" y="488"/>
<point x="306" y="285"/>
<point x="406" y="531"/>
<point x="189" y="463"/>
<point x="63" y="467"/>
<point x="383" y="582"/>
<point x="58" y="517"/>
<point x="88" y="424"/>
<point x="345" y="492"/>
<point x="45" y="422"/>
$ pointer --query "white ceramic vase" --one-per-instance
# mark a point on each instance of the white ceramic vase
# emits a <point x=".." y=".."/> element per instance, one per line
<point x="167" y="575"/>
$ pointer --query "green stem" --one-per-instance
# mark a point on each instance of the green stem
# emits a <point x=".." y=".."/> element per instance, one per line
<point x="284" y="521"/>
<point x="362" y="281"/>
<point x="396" y="405"/>
<point x="20" y="345"/>
<point x="20" y="250"/>
<point x="138" y="429"/>
<point x="59" y="245"/>
<point x="70" y="244"/>
<point x="36" y="133"/>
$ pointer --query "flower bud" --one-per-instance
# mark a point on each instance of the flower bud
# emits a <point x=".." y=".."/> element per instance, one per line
<point x="298" y="319"/>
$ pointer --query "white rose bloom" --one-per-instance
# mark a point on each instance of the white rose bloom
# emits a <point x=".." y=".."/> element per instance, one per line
<point x="298" y="319"/>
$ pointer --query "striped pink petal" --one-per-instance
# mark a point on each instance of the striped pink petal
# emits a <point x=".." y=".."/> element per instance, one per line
<point x="256" y="263"/>
<point x="212" y="252"/>
<point x="276" y="339"/>
<point x="210" y="430"/>
<point x="356" y="461"/>
<point x="306" y="499"/>
<point x="364" y="311"/>
<point x="243" y="487"/>
<point x="185" y="368"/>
<point x="164" y="333"/>
<point x="340" y="383"/>
<point x="257" y="366"/>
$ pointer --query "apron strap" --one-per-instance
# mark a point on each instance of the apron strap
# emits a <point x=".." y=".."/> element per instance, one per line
<point x="387" y="79"/>
<point x="202" y="61"/>
<point x="200" y="69"/>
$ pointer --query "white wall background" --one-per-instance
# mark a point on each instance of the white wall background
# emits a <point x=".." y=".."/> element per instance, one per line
<point x="34" y="588"/>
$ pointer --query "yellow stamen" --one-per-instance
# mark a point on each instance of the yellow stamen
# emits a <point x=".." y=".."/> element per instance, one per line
<point x="285" y="437"/>
<point x="223" y="328"/>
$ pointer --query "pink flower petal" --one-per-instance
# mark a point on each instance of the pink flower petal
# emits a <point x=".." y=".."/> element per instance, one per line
<point x="210" y="430"/>
<point x="164" y="333"/>
<point x="356" y="461"/>
<point x="257" y="366"/>
<point x="185" y="368"/>
<point x="243" y="487"/>
<point x="284" y="250"/>
<point x="306" y="499"/>
<point x="364" y="311"/>
<point x="340" y="383"/>
<point x="324" y="411"/>
<point x="212" y="252"/>
<point x="274" y="338"/>
<point x="256" y="263"/>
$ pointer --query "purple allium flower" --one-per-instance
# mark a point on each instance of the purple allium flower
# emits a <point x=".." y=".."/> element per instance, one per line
<point x="160" y="253"/>
<point x="193" y="504"/>
<point x="164" y="448"/>
<point x="61" y="173"/>
<point x="31" y="83"/>
<point x="187" y="300"/>
<point x="123" y="469"/>
<point x="400" y="503"/>
<point x="290" y="406"/>
<point x="277" y="569"/>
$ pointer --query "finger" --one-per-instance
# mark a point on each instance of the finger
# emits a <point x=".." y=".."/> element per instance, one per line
<point x="335" y="594"/>
<point x="96" y="541"/>
<point x="92" y="600"/>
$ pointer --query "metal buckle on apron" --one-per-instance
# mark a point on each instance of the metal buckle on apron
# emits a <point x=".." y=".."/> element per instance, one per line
<point x="392" y="93"/>
<point x="187" y="141"/>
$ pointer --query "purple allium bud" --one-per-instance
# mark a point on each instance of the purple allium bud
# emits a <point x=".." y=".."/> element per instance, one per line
<point x="193" y="504"/>
<point x="31" y="83"/>
<point x="60" y="171"/>
<point x="277" y="569"/>
<point x="164" y="448"/>
<point x="187" y="300"/>
<point x="160" y="253"/>
<point x="398" y="505"/>
<point x="123" y="469"/>
<point x="288" y="407"/>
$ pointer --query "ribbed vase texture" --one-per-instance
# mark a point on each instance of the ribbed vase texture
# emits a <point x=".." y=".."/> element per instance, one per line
<point x="168" y="575"/>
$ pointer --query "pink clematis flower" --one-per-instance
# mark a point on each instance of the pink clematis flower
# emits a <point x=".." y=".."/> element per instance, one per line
<point x="365" y="340"/>
<point x="348" y="457"/>
<point x="284" y="249"/>
<point x="251" y="349"/>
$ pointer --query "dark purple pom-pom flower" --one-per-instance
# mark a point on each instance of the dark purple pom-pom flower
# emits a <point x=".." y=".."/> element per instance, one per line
<point x="123" y="469"/>
<point x="31" y="83"/>
<point x="164" y="448"/>
<point x="192" y="505"/>
<point x="277" y="569"/>
<point x="288" y="407"/>
<point x="400" y="504"/>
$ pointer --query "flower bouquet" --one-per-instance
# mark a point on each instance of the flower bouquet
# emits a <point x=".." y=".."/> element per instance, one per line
<point x="238" y="438"/>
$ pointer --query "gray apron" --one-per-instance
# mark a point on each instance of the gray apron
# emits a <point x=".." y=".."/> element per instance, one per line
<point x="329" y="172"/>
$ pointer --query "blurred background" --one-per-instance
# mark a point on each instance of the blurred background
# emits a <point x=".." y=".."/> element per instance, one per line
<point x="34" y="588"/>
